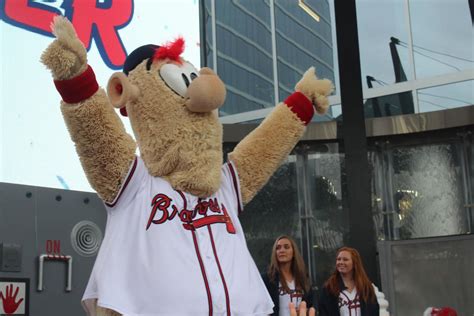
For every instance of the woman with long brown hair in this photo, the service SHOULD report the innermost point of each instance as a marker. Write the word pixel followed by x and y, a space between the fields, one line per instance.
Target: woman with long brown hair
pixel 287 278
pixel 348 291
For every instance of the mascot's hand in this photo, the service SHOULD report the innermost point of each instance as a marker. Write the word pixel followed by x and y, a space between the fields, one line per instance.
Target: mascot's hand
pixel 315 90
pixel 66 56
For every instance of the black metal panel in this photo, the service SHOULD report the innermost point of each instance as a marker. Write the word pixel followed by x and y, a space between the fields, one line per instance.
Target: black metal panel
pixel 357 202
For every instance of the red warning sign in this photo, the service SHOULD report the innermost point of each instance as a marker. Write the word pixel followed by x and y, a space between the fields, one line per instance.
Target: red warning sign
pixel 14 296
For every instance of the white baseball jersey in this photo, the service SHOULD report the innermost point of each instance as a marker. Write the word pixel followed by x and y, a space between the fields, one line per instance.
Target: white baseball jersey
pixel 349 303
pixel 166 252
pixel 294 296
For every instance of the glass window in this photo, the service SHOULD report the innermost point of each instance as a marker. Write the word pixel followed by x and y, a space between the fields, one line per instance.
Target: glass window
pixel 244 55
pixel 380 25
pixel 443 39
pixel 446 96
pixel 273 212
pixel 260 43
pixel 207 29
pixel 328 220
pixel 419 191
pixel 388 105
pixel 336 111
pixel 417 41
pixel 302 41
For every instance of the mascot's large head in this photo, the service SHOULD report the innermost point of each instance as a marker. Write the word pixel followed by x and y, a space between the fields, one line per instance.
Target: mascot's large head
pixel 172 109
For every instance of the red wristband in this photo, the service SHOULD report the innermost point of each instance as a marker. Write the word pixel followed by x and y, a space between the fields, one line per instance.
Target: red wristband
pixel 78 88
pixel 301 106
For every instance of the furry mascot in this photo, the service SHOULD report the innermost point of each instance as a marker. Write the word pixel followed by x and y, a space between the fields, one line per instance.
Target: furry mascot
pixel 173 243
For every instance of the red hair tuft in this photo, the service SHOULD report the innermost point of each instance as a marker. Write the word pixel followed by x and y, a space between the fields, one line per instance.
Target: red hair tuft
pixel 171 50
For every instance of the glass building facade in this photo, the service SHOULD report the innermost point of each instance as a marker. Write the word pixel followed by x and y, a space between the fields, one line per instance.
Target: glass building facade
pixel 262 48
pixel 416 75
pixel 415 56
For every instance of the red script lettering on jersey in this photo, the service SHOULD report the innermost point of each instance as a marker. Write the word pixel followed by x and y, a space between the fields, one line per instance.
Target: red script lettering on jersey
pixel 163 210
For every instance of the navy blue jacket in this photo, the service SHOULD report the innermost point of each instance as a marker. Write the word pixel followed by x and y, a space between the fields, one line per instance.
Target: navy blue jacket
pixel 328 304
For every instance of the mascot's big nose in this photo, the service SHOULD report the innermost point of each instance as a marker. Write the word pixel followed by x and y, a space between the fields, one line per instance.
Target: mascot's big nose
pixel 206 92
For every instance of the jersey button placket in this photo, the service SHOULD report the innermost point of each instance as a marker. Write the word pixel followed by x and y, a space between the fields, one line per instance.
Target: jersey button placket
pixel 215 282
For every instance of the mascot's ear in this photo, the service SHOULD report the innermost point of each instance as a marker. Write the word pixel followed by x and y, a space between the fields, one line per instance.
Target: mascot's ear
pixel 120 91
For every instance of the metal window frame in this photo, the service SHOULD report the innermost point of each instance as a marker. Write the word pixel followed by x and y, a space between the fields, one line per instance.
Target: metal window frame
pixel 411 85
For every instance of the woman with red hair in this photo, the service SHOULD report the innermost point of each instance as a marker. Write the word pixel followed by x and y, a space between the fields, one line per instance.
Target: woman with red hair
pixel 287 278
pixel 348 291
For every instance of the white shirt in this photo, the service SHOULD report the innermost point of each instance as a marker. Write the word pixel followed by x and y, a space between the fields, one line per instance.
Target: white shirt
pixel 286 297
pixel 166 252
pixel 349 303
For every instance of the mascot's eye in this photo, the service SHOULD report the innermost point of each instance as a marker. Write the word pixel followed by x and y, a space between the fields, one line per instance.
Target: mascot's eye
pixel 185 79
pixel 178 77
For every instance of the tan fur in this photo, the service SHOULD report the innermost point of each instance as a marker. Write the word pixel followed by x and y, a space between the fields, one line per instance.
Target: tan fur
pixel 106 151
pixel 100 311
pixel 183 147
pixel 315 89
pixel 66 57
pixel 259 154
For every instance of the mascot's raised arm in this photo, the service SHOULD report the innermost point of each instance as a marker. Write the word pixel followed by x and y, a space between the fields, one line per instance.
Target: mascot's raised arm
pixel 173 243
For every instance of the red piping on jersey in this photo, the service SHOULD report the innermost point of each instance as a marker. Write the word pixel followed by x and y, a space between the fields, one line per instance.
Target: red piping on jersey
pixel 198 254
pixel 127 181
pixel 227 300
pixel 236 187
pixel 203 272
pixel 353 304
